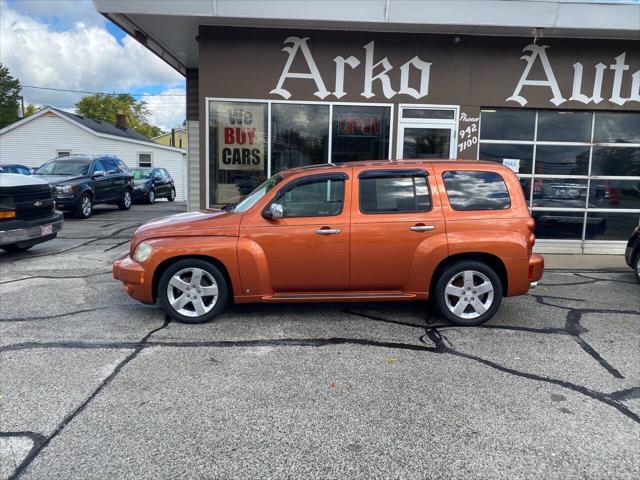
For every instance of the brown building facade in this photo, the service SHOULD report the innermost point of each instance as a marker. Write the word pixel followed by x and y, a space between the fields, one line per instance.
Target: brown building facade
pixel 564 114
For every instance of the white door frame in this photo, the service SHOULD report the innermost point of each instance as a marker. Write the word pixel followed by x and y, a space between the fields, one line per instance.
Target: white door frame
pixel 440 123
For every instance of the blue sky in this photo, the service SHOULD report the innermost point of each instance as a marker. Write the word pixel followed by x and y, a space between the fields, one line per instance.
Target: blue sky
pixel 66 44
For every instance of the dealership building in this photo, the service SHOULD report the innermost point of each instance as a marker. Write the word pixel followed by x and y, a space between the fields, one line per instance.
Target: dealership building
pixel 550 89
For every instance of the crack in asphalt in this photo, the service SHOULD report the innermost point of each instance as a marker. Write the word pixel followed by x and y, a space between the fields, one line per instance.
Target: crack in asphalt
pixel 74 312
pixel 116 245
pixel 44 441
pixel 55 277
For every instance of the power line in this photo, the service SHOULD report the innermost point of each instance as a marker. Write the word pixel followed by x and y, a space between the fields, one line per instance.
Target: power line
pixel 106 93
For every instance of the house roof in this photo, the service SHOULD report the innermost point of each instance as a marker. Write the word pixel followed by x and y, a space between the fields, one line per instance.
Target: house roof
pixel 97 127
pixel 176 130
pixel 104 127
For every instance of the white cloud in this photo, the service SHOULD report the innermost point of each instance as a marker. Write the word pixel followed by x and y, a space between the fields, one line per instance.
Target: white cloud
pixel 66 45
pixel 167 111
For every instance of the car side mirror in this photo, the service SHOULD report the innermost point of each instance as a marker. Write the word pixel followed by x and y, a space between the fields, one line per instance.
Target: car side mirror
pixel 99 173
pixel 274 212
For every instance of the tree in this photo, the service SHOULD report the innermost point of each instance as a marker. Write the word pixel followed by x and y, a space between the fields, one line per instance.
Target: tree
pixel 30 109
pixel 9 97
pixel 106 107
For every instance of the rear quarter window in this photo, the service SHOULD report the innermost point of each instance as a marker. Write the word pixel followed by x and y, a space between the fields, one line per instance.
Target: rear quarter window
pixel 476 190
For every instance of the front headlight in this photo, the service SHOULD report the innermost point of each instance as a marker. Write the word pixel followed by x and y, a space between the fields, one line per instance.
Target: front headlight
pixel 142 253
pixel 64 189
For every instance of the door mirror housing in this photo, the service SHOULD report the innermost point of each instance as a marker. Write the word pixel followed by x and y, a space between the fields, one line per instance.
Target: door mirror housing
pixel 99 173
pixel 274 212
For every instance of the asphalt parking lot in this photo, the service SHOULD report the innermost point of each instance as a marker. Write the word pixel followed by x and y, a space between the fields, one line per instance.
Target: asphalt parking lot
pixel 95 385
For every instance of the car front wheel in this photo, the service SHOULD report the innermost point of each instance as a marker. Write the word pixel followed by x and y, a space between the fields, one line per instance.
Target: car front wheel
pixel 193 291
pixel 638 266
pixel 125 201
pixel 152 196
pixel 85 206
pixel 172 195
pixel 468 293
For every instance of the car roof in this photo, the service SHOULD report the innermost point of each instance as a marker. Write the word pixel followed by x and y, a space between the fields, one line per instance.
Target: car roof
pixel 390 164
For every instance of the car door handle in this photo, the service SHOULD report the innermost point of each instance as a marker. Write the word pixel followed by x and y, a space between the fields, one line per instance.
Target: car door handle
pixel 422 228
pixel 328 231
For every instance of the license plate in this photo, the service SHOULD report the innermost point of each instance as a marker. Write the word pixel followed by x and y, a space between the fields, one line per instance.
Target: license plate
pixel 46 230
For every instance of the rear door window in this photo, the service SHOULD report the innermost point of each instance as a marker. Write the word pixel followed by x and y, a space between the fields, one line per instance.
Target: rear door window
pixel 476 190
pixel 394 192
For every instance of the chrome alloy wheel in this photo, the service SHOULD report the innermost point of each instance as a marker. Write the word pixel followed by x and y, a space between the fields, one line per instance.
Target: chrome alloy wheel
pixel 152 196
pixel 127 199
pixel 469 294
pixel 86 206
pixel 192 292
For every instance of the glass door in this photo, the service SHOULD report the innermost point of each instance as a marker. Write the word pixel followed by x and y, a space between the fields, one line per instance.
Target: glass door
pixel 424 141
pixel 427 131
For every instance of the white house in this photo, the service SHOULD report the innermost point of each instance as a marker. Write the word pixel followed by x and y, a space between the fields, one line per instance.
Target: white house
pixel 52 132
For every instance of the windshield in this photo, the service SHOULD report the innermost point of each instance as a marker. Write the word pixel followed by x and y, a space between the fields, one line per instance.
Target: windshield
pixel 257 194
pixel 65 167
pixel 141 174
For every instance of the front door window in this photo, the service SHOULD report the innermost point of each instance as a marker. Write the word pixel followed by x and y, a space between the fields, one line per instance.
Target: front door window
pixel 420 142
pixel 427 131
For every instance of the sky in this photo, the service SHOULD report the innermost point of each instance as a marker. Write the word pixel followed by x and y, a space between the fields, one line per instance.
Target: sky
pixel 67 44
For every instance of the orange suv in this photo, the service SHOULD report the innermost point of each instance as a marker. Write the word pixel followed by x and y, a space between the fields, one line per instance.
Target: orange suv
pixel 458 233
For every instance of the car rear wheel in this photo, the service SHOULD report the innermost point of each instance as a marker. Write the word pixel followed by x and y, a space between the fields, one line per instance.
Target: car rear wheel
pixel 172 195
pixel 85 206
pixel 193 291
pixel 151 198
pixel 125 201
pixel 637 269
pixel 468 293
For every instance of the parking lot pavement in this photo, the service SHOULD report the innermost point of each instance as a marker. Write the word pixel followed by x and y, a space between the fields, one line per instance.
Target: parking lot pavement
pixel 95 385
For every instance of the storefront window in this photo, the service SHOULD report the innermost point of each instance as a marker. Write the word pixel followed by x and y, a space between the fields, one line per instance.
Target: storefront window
pixel 617 128
pixel 237 149
pixel 508 124
pixel 562 160
pixel 360 133
pixel 520 156
pixel 299 135
pixel 564 126
pixel 586 168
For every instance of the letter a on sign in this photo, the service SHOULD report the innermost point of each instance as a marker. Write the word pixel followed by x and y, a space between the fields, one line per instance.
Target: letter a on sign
pixel 314 74
pixel 537 51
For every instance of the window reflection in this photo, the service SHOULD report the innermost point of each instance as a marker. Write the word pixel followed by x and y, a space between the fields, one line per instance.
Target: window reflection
pixel 611 225
pixel 426 143
pixel 615 194
pixel 360 133
pixel 616 161
pixel 559 193
pixel 620 127
pixel 559 225
pixel 394 194
pixel 564 126
pixel 299 135
pixel 499 152
pixel 313 199
pixel 507 124
pixel 473 190
pixel 562 160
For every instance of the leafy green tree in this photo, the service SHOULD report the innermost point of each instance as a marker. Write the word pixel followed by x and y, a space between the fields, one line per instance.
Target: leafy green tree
pixel 30 109
pixel 106 107
pixel 9 97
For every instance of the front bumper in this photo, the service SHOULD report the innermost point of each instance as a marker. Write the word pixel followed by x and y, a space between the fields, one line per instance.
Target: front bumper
pixel 133 276
pixel 66 202
pixel 30 232
pixel 536 267
pixel 140 194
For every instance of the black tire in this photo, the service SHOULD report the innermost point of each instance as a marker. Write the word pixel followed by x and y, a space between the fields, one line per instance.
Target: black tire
pixel 172 195
pixel 151 198
pixel 220 302
pixel 637 266
pixel 126 200
pixel 84 210
pixel 440 298
pixel 15 248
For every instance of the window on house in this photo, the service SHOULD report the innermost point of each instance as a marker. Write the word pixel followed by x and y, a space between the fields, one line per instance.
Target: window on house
pixel 144 160
pixel 63 153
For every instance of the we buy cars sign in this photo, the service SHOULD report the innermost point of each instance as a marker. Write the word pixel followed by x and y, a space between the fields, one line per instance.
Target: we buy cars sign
pixel 241 138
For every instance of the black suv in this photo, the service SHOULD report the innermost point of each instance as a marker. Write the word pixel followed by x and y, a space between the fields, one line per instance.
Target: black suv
pixel 632 253
pixel 80 181
pixel 152 183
